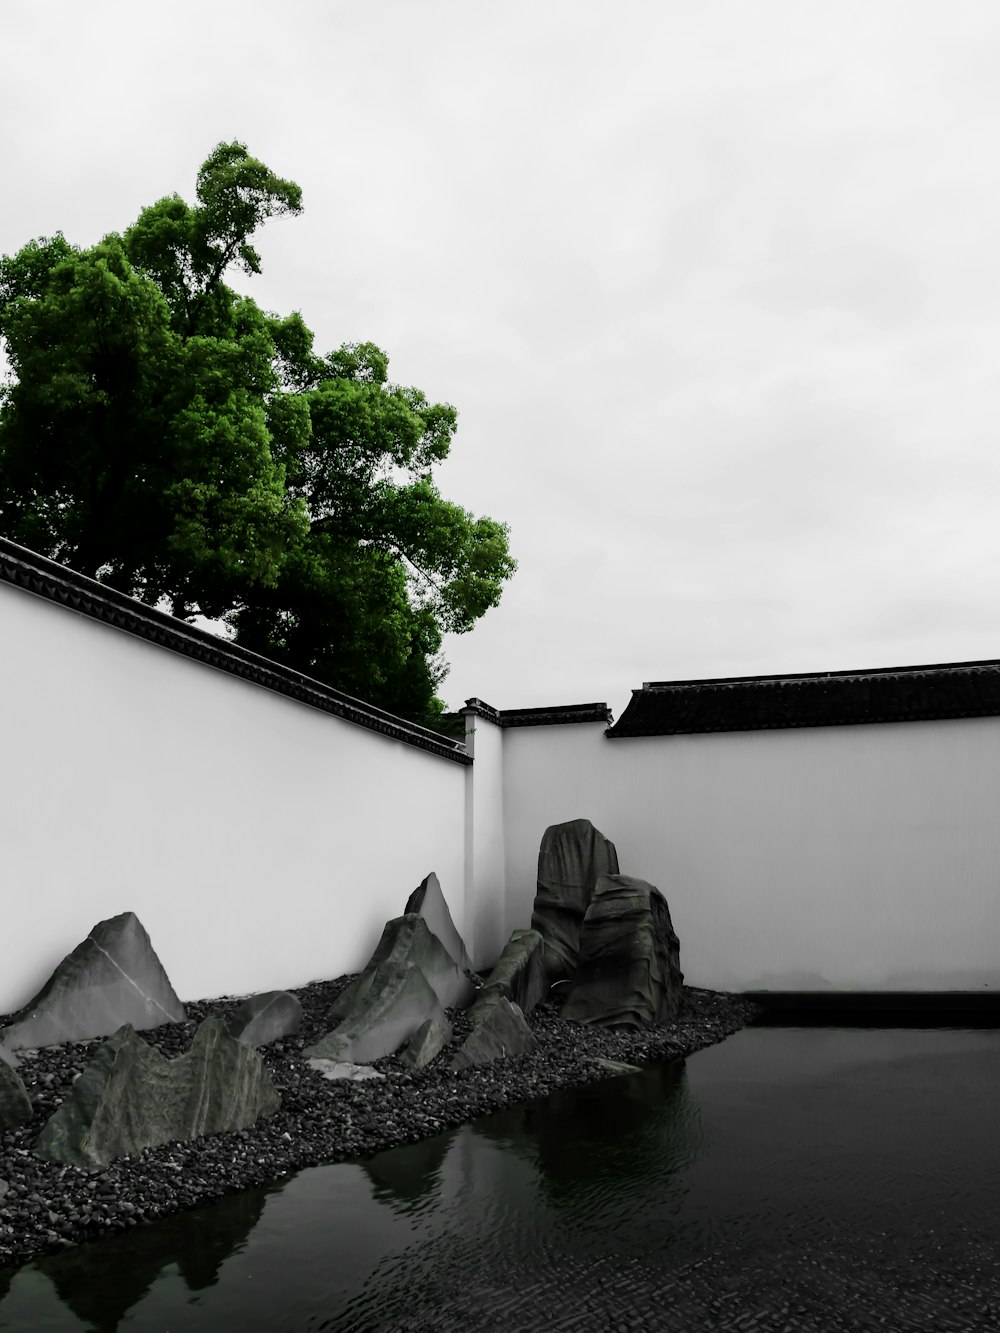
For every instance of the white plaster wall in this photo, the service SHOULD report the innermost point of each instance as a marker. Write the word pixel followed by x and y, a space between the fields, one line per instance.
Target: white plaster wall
pixel 485 875
pixel 821 858
pixel 262 843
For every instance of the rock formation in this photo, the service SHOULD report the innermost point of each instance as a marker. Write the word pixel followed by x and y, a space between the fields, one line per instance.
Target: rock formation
pixel 428 1040
pixel 519 973
pixel 130 1097
pixel 8 1057
pixel 501 1032
pixel 571 859
pixel 266 1017
pixel 629 970
pixel 113 977
pixel 395 1002
pixel 15 1104
pixel 428 901
pixel 408 939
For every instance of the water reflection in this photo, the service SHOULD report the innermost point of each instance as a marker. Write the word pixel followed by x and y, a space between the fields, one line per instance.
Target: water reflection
pixel 824 1164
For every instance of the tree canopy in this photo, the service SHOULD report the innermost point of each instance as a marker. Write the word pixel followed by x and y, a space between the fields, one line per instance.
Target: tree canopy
pixel 163 434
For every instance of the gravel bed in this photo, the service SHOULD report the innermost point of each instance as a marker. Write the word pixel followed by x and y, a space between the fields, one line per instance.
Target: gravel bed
pixel 45 1207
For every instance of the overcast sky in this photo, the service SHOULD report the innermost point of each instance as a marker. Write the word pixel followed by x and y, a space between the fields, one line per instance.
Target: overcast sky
pixel 714 286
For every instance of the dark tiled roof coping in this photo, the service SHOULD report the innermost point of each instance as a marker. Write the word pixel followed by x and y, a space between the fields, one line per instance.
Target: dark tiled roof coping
pixel 55 582
pixel 933 692
pixel 555 715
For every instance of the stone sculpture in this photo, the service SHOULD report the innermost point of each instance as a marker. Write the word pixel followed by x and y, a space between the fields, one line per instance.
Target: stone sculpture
pixel 131 1097
pixel 429 1040
pixel 428 901
pixel 395 1002
pixel 500 1032
pixel 267 1017
pixel 629 970
pixel 571 859
pixel 113 977
pixel 519 973
pixel 15 1104
pixel 408 939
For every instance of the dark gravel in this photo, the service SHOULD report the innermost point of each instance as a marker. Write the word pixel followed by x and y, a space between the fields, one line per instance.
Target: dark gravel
pixel 45 1207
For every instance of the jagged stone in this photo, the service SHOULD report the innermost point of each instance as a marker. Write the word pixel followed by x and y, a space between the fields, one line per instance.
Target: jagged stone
pixel 343 1069
pixel 266 1017
pixel 15 1104
pixel 502 1032
pixel 519 973
pixel 113 977
pixel 571 859
pixel 629 970
pixel 393 1006
pixel 428 1040
pixel 8 1057
pixel 131 1097
pixel 407 939
pixel 616 1066
pixel 428 901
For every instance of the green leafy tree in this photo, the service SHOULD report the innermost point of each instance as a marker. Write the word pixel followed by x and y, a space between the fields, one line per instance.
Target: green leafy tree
pixel 164 435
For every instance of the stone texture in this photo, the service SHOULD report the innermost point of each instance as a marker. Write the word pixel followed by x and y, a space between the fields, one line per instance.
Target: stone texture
pixel 112 978
pixel 15 1104
pixel 397 1000
pixel 429 1040
pixel 130 1097
pixel 519 973
pixel 343 1069
pixel 406 940
pixel 428 901
pixel 629 971
pixel 571 859
pixel 501 1032
pixel 8 1057
pixel 266 1017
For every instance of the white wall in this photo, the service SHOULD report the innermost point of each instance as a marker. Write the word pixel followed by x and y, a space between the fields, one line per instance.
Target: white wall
pixel 819 858
pixel 485 874
pixel 262 843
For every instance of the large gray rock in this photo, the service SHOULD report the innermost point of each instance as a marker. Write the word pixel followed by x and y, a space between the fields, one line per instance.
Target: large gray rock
pixel 629 971
pixel 571 859
pixel 131 1097
pixel 266 1017
pixel 112 978
pixel 501 1032
pixel 397 1001
pixel 428 901
pixel 15 1104
pixel 407 940
pixel 429 1040
pixel 519 973
pixel 8 1057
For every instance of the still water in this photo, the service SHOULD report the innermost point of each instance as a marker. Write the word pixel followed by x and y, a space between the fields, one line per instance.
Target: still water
pixel 790 1178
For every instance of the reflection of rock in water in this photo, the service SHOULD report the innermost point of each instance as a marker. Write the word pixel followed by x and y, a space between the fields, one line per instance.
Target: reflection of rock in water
pixel 637 1125
pixel 408 1173
pixel 101 1281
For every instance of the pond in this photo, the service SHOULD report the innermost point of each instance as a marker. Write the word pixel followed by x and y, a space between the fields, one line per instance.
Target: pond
pixel 790 1178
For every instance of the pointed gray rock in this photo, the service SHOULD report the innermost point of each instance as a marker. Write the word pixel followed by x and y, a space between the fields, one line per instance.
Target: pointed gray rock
pixel 428 901
pixel 501 1033
pixel 113 977
pixel 571 859
pixel 629 971
pixel 8 1057
pixel 429 1040
pixel 15 1104
pixel 394 1005
pixel 408 940
pixel 130 1097
pixel 519 973
pixel 266 1017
